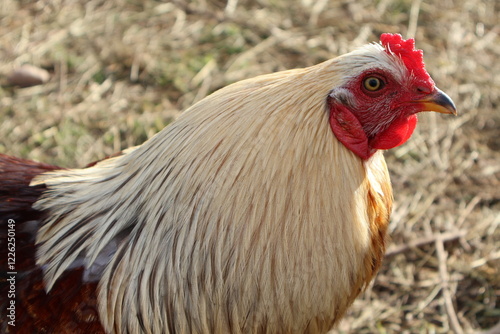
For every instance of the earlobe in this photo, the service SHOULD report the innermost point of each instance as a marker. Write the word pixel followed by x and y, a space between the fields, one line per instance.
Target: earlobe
pixel 348 130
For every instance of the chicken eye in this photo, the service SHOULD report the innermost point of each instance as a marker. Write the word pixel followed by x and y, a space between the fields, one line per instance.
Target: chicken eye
pixel 373 84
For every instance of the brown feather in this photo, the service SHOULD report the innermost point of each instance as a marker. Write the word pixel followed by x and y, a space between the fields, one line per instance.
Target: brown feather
pixel 71 307
pixel 246 215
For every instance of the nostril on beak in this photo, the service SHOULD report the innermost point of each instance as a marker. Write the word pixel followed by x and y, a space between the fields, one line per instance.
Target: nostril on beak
pixel 424 90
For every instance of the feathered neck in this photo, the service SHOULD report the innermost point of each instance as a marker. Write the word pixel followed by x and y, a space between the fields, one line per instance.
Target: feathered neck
pixel 232 210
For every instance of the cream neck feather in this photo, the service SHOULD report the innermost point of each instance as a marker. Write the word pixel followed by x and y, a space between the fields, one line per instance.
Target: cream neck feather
pixel 244 215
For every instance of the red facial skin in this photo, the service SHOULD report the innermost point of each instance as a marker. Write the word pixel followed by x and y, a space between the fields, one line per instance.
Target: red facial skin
pixel 381 119
pixel 365 120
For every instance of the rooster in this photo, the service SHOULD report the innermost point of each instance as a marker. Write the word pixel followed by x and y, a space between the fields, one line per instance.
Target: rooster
pixel 262 209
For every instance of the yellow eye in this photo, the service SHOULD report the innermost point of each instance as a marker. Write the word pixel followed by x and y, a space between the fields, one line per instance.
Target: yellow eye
pixel 373 83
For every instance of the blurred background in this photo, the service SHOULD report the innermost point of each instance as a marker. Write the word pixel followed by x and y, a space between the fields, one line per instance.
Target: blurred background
pixel 111 73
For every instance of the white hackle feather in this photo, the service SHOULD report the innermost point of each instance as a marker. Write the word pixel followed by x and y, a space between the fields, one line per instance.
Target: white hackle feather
pixel 244 215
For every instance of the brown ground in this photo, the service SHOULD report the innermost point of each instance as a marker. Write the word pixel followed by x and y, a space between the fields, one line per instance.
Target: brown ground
pixel 123 69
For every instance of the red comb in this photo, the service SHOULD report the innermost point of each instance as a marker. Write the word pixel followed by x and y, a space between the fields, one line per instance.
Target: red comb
pixel 413 59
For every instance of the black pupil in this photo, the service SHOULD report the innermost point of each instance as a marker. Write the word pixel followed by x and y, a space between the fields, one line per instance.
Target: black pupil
pixel 373 83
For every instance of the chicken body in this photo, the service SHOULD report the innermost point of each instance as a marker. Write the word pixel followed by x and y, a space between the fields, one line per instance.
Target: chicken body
pixel 252 213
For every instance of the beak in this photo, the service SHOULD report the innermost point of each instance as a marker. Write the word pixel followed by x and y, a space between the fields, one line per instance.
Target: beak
pixel 439 102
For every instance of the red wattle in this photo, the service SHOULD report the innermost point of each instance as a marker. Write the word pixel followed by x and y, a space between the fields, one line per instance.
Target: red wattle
pixel 396 134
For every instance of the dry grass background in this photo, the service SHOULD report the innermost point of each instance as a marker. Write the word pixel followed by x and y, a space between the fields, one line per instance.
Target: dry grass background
pixel 123 69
